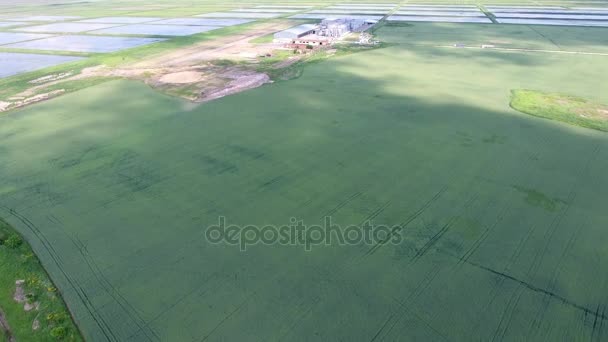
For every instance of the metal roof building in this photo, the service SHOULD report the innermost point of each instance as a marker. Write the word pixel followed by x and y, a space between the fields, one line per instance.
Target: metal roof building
pixel 296 32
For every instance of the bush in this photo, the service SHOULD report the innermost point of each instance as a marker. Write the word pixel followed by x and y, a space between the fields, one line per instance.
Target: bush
pixel 56 317
pixel 33 281
pixel 13 241
pixel 59 332
pixel 30 298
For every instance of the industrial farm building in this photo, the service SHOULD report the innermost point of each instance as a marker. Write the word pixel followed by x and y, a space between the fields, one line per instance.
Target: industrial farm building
pixel 296 32
pixel 309 36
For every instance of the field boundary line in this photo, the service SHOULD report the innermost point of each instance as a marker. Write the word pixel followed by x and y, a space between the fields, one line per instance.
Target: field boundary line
pixel 525 50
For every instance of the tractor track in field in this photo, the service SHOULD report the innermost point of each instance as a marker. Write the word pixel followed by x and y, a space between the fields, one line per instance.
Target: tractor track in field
pixel 118 298
pixel 433 240
pixel 601 316
pixel 409 220
pixel 103 325
pixel 393 318
pixel 538 259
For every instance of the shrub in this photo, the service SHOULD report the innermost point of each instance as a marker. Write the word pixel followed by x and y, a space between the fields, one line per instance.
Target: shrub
pixel 56 317
pixel 33 281
pixel 30 297
pixel 13 241
pixel 59 332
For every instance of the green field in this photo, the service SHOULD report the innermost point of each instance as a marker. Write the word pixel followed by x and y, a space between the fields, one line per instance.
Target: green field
pixel 503 214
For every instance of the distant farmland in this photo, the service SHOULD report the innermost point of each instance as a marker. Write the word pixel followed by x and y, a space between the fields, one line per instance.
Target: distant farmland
pixel 502 214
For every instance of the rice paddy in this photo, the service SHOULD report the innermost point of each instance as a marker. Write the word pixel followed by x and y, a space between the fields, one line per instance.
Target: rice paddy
pixel 12 37
pixel 16 63
pixel 75 43
pixel 65 28
pixel 160 30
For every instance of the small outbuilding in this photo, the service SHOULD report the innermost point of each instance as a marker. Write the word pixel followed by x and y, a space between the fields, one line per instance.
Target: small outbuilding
pixel 296 32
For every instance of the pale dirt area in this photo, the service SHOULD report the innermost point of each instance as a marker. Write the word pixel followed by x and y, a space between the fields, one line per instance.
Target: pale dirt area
pixel 182 77
pixel 4 105
pixel 49 78
pixel 19 295
pixel 239 83
pixel 229 47
pixel 187 66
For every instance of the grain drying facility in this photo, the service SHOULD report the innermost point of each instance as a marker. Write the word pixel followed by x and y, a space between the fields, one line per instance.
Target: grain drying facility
pixel 296 32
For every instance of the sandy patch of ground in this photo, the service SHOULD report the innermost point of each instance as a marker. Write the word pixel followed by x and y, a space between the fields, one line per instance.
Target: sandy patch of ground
pixel 182 77
pixel 19 295
pixel 229 47
pixel 240 81
pixel 50 78
pixel 4 105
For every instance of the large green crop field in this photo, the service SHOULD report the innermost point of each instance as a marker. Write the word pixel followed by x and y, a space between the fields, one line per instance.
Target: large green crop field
pixel 503 215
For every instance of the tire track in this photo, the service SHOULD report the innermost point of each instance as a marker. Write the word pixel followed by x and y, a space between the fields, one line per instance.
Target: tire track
pixel 433 240
pixel 516 297
pixel 175 304
pixel 550 234
pixel 377 212
pixel 484 236
pixel 227 317
pixel 393 317
pixel 342 204
pixel 534 288
pixel 399 228
pixel 88 306
pixel 118 298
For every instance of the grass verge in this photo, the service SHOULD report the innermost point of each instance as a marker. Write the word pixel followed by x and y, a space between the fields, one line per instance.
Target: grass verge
pixel 18 262
pixel 570 109
pixel 267 39
pixel 294 70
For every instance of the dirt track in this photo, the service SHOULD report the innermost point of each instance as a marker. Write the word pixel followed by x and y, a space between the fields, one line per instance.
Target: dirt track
pixel 234 46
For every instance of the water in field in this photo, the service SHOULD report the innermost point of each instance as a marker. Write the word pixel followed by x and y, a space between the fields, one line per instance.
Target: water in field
pixel 501 214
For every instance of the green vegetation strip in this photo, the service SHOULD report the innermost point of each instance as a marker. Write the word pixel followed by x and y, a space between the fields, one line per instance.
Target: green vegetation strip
pixel 51 321
pixel 570 109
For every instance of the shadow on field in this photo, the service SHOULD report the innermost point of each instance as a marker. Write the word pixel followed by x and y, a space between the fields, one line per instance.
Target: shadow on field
pixel 115 185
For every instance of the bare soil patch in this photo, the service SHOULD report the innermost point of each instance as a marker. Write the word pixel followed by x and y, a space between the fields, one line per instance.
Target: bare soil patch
pixel 50 78
pixel 240 81
pixel 4 105
pixel 182 77
pixel 229 47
